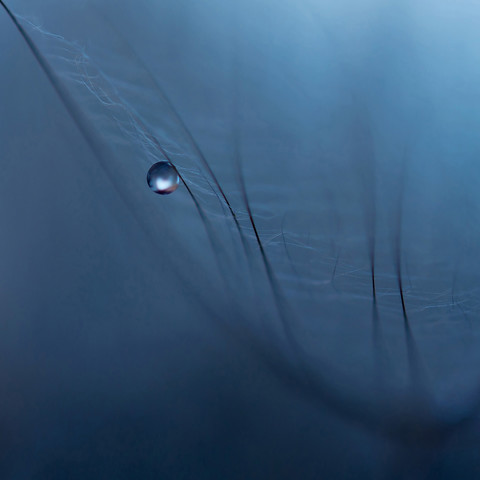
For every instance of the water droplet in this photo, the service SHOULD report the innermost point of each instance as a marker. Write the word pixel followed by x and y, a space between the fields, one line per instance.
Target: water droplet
pixel 162 178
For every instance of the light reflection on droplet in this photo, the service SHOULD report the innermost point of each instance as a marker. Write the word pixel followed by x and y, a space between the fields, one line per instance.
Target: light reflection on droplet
pixel 162 178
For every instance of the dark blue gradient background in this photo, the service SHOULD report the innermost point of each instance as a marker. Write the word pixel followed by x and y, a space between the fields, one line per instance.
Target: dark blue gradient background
pixel 148 337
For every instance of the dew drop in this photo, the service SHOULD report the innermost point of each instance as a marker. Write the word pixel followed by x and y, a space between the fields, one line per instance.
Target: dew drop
pixel 162 178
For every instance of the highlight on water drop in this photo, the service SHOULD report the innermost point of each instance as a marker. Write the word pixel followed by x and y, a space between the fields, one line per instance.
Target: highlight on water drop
pixel 163 178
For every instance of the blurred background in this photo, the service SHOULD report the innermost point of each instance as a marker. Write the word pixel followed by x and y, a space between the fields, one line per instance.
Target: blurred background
pixel 305 305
